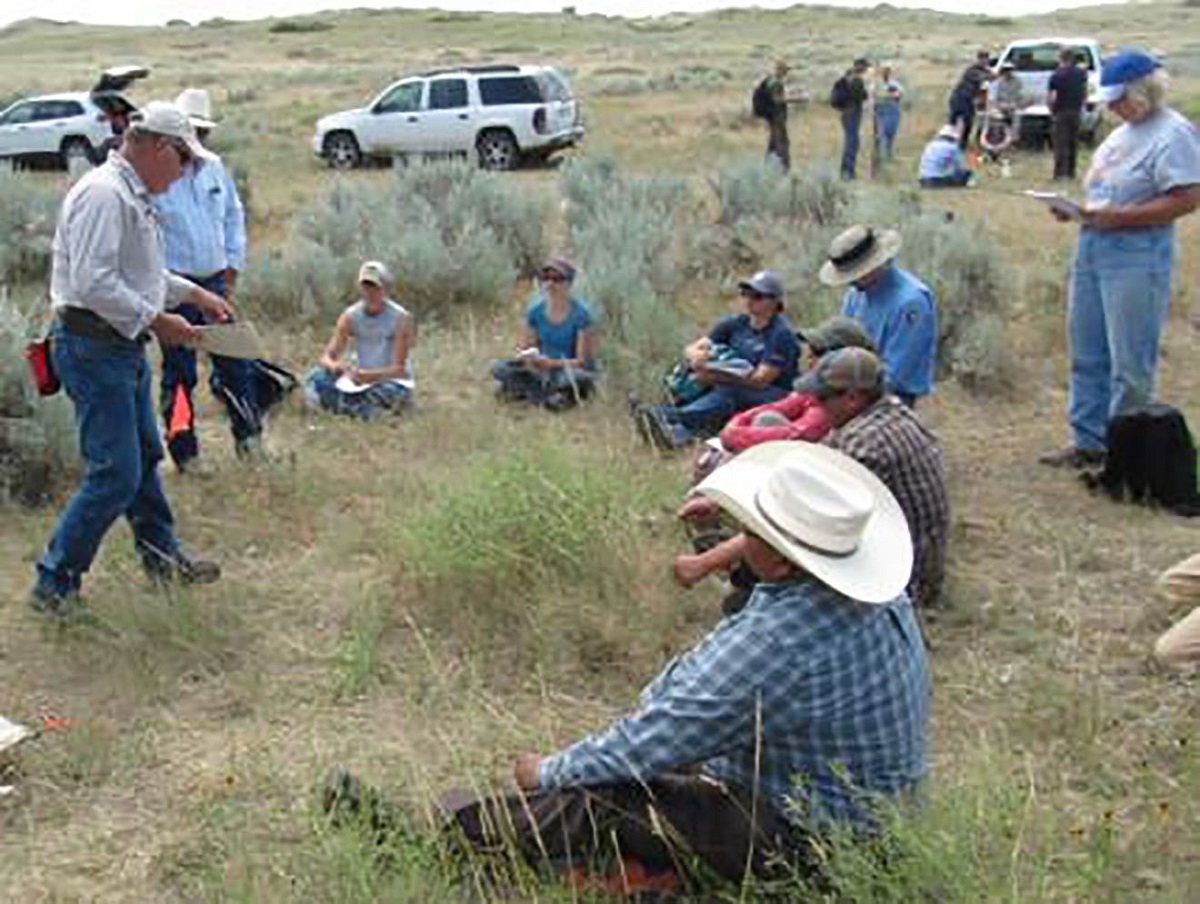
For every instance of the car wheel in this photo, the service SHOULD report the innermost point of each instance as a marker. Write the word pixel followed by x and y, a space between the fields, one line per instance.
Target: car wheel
pixel 75 150
pixel 341 150
pixel 498 150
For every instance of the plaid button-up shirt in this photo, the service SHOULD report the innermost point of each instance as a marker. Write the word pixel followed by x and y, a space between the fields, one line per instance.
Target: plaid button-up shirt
pixel 889 439
pixel 819 702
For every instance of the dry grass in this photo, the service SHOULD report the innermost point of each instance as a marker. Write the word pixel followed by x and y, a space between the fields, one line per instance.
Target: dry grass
pixel 1066 767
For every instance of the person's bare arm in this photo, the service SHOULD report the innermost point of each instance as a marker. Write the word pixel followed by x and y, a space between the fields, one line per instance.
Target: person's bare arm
pixel 331 357
pixel 1160 211
pixel 692 569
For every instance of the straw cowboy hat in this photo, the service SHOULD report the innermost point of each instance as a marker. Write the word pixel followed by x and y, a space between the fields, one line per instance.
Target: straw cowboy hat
pixel 858 251
pixel 823 511
pixel 196 103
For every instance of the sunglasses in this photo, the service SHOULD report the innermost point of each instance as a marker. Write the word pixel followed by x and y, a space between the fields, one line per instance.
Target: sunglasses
pixel 551 276
pixel 755 295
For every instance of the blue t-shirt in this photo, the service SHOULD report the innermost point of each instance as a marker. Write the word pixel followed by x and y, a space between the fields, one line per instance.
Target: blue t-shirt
pixel 899 315
pixel 1140 161
pixel 558 341
pixel 775 344
pixel 941 159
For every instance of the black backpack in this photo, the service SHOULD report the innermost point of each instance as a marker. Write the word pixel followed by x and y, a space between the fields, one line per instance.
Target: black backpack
pixel 1151 459
pixel 761 101
pixel 839 97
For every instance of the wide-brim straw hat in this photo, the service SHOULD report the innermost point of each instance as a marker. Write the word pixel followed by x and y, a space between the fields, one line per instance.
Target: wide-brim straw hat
pixel 822 510
pixel 197 105
pixel 858 251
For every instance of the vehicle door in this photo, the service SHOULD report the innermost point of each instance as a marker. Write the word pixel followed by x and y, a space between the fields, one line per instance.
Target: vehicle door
pixel 56 119
pixel 15 125
pixel 448 124
pixel 394 124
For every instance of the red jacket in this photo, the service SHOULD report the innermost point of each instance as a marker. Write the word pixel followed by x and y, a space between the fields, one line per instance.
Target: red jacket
pixel 809 421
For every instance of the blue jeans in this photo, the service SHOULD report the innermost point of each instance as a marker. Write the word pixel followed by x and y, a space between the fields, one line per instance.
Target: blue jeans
pixel 851 121
pixel 320 387
pixel 231 381
pixel 708 414
pixel 1117 304
pixel 887 124
pixel 109 383
pixel 519 383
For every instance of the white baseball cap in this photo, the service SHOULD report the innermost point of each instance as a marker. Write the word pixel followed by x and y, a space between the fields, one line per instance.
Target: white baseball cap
pixel 159 117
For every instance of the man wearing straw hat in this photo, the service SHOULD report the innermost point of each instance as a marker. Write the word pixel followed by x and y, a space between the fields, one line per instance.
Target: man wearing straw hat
pixel 204 236
pixel 1179 647
pixel 897 309
pixel 805 712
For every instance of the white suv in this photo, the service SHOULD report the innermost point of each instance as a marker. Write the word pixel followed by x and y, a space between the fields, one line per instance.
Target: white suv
pixel 502 114
pixel 1035 61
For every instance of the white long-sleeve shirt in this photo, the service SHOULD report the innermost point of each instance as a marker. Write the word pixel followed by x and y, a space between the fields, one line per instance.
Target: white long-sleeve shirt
pixel 108 251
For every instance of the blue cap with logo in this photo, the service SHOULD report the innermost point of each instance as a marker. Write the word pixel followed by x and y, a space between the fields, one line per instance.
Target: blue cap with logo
pixel 1121 69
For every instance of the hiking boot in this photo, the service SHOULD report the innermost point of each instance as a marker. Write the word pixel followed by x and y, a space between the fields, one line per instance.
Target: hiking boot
pixel 65 608
pixel 1073 457
pixel 655 428
pixel 179 568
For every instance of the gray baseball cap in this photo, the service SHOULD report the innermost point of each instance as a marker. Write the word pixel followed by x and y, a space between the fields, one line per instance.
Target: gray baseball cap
pixel 833 333
pixel 764 282
pixel 842 371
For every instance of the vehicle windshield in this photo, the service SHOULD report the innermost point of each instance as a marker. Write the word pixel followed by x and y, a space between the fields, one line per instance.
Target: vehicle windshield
pixel 1044 57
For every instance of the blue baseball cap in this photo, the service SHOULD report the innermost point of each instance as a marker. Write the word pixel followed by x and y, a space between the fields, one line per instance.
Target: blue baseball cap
pixel 764 282
pixel 1120 70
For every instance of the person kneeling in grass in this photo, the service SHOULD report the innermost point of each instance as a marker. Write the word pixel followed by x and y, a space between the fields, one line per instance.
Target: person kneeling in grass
pixel 942 163
pixel 556 364
pixel 383 334
pixel 805 715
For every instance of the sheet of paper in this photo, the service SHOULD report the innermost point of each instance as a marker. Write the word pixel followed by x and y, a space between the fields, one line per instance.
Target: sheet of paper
pixel 12 734
pixel 347 385
pixel 233 340
pixel 1058 203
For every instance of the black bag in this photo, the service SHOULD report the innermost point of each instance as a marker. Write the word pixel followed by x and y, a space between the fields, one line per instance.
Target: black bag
pixel 271 384
pixel 1151 459
pixel 761 101
pixel 839 97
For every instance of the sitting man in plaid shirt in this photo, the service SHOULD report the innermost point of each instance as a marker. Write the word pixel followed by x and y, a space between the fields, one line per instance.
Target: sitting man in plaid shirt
pixel 803 712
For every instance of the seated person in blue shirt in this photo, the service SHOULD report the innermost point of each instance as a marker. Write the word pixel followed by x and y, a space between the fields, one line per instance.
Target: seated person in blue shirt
pixel 805 712
pixel 383 334
pixel 556 364
pixel 897 309
pixel 942 163
pixel 761 338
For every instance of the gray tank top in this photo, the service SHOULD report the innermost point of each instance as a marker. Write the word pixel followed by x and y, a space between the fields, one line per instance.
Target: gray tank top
pixel 375 334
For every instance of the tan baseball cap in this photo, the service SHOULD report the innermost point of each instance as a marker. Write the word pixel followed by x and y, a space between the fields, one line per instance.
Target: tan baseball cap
pixel 842 371
pixel 160 117
pixel 374 272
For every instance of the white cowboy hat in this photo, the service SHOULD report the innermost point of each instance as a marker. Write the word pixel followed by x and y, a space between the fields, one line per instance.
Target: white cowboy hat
pixel 196 103
pixel 858 251
pixel 824 511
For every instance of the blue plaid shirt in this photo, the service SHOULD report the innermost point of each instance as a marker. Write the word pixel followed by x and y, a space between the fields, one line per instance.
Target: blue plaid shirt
pixel 829 695
pixel 204 225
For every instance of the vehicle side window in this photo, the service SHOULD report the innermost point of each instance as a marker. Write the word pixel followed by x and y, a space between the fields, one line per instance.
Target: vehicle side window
pixel 57 109
pixel 19 115
pixel 517 89
pixel 447 94
pixel 405 98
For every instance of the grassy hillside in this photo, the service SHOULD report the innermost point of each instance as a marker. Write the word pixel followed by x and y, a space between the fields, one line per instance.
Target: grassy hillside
pixel 423 599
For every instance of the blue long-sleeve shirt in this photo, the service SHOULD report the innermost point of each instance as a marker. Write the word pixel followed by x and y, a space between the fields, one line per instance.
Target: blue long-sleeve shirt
pixel 828 696
pixel 204 225
pixel 941 159
pixel 899 314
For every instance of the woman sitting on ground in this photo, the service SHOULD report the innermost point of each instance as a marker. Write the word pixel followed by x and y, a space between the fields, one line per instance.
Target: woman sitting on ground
pixel 942 164
pixel 764 365
pixel 383 333
pixel 556 364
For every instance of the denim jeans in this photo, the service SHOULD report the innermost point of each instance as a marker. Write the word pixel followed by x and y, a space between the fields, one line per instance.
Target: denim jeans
pixel 1117 304
pixel 851 121
pixel 708 414
pixel 109 383
pixel 887 124
pixel 320 388
pixel 231 381
pixel 519 383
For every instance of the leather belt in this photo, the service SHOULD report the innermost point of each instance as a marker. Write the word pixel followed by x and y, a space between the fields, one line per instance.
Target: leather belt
pixel 82 322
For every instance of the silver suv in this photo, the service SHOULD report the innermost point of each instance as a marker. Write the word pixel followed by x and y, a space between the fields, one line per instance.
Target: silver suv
pixel 1035 61
pixel 501 114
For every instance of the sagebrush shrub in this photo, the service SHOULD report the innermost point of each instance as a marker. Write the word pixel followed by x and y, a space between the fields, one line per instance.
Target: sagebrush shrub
pixel 453 234
pixel 28 215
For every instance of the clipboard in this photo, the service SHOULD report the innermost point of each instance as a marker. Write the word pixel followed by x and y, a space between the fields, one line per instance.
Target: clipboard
pixel 233 340
pixel 1060 204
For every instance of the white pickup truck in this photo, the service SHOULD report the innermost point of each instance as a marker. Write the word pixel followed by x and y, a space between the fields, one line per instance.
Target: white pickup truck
pixel 1035 61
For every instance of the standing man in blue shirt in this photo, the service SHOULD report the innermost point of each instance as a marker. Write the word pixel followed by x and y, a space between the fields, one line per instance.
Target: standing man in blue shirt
pixel 801 714
pixel 204 230
pixel 896 308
